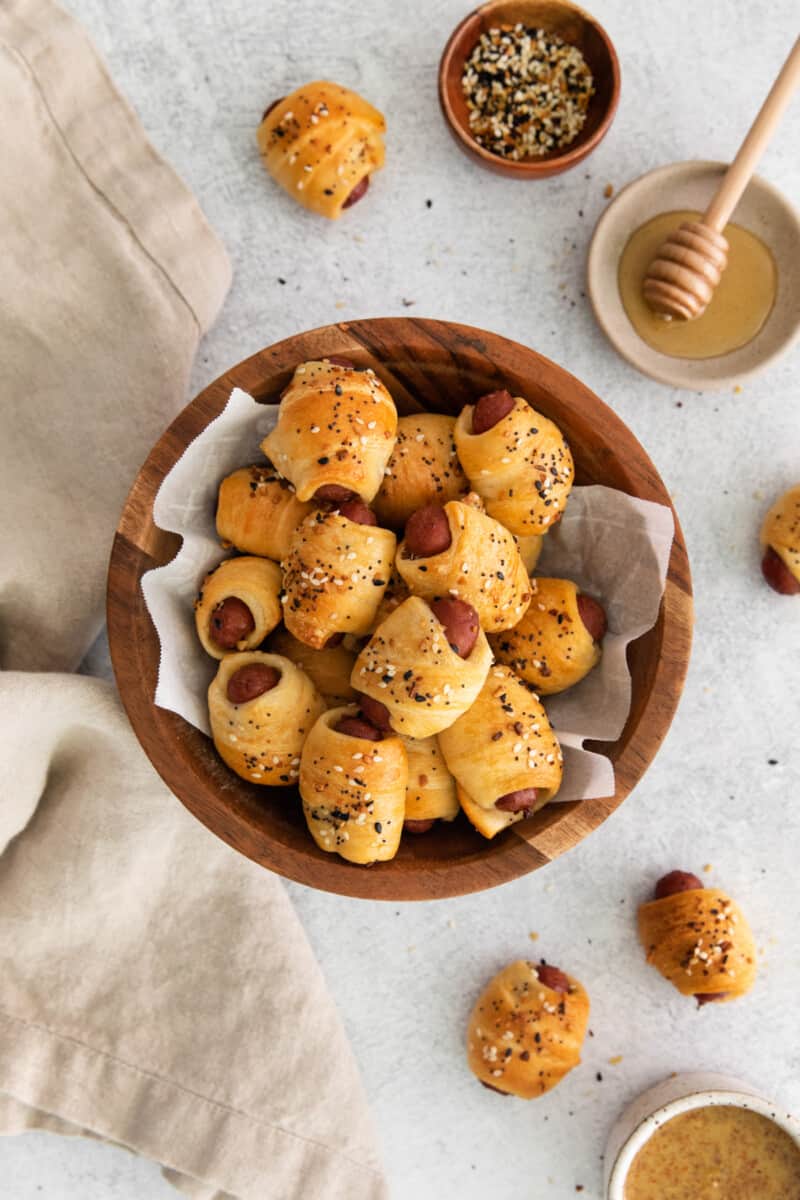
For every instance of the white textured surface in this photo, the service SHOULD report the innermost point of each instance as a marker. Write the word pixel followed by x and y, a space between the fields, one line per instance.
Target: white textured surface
pixel 509 257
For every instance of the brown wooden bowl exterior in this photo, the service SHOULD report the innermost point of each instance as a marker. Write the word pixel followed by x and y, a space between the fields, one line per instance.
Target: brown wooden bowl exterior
pixel 426 364
pixel 574 26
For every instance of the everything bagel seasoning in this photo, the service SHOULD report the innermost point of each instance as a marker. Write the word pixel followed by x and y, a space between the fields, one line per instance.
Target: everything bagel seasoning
pixel 527 92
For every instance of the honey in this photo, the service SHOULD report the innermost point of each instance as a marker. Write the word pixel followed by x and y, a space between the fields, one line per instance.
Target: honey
pixel 719 1152
pixel 736 312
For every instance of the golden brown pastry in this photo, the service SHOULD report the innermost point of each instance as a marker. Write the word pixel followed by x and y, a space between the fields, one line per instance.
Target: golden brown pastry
pixel 558 641
pixel 698 939
pixel 335 432
pixel 396 592
pixel 780 536
pixel 335 574
pixel 423 469
pixel 527 1028
pixel 431 789
pixel 258 511
pixel 459 551
pixel 529 550
pixel 411 670
pixel 503 754
pixel 517 460
pixel 238 605
pixel 353 785
pixel 328 668
pixel 321 144
pixel 262 708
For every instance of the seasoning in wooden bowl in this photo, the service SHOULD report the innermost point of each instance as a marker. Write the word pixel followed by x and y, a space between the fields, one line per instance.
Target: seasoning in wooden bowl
pixel 719 1150
pixel 527 91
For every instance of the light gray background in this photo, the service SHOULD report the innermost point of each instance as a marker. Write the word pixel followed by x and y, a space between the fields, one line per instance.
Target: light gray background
pixel 510 257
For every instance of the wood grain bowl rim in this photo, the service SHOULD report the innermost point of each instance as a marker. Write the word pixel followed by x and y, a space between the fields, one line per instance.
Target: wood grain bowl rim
pixel 223 805
pixel 554 162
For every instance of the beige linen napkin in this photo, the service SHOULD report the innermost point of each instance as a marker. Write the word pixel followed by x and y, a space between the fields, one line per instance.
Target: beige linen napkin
pixel 156 989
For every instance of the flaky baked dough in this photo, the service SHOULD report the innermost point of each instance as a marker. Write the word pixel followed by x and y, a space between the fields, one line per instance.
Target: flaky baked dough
pixel 522 467
pixel 334 576
pixel 529 550
pixel 431 789
pixel 551 647
pixel 396 592
pixel 254 581
pixel 502 744
pixel 409 666
pixel 423 469
pixel 700 941
pixel 781 529
pixel 482 566
pixel 258 511
pixel 328 669
pixel 336 425
pixel 524 1037
pixel 261 739
pixel 319 142
pixel 353 791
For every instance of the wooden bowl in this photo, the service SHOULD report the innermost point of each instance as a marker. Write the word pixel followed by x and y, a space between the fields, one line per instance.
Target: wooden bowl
pixel 555 16
pixel 430 365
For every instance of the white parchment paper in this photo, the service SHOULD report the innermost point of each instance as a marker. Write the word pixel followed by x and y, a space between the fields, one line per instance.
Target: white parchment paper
pixel 613 546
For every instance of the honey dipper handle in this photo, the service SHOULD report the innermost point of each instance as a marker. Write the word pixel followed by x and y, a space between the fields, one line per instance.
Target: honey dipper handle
pixel 739 172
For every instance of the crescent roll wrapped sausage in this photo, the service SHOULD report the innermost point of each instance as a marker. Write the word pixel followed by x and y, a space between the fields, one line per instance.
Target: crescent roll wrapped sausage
pixel 238 605
pixel 517 460
pixel 261 708
pixel 353 788
pixel 780 537
pixel 459 551
pixel 529 550
pixel 335 432
pixel 503 754
pixel 335 575
pixel 321 144
pixel 527 1028
pixel 410 668
pixel 431 789
pixel 328 669
pixel 258 511
pixel 698 939
pixel 558 640
pixel 423 469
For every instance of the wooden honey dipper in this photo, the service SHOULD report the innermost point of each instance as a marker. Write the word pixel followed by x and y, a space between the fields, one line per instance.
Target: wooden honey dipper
pixel 680 280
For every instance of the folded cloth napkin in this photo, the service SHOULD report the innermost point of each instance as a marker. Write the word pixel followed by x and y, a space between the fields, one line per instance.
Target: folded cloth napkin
pixel 156 989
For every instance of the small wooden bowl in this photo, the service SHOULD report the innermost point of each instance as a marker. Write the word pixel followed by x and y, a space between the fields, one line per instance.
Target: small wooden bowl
pixel 555 16
pixel 438 366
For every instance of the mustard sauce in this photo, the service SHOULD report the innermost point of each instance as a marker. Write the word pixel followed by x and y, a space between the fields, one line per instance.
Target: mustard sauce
pixel 719 1152
pixel 736 312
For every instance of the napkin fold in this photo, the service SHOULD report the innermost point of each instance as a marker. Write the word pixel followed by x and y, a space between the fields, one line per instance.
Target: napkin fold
pixel 156 989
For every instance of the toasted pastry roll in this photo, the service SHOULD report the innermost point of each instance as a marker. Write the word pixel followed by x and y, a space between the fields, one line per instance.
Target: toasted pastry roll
pixel 780 537
pixel 698 939
pixel 238 605
pixel 503 753
pixel 431 789
pixel 551 647
pixel 328 669
pixel 481 565
pixel 353 790
pixel 262 708
pixel 396 592
pixel 527 1028
pixel 335 432
pixel 521 466
pixel 321 144
pixel 529 550
pixel 409 666
pixel 423 468
pixel 258 511
pixel 334 577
